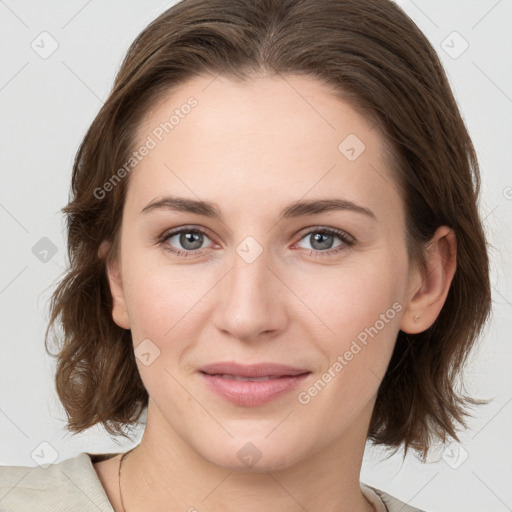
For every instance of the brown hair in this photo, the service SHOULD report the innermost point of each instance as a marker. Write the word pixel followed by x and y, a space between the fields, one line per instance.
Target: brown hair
pixel 373 55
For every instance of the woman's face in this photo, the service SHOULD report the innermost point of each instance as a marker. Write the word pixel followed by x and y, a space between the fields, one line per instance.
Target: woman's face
pixel 253 285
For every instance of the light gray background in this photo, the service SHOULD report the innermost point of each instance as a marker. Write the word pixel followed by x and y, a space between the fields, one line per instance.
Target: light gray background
pixel 47 104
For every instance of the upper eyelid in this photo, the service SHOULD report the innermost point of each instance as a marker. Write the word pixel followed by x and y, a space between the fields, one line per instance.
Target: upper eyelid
pixel 319 228
pixel 172 232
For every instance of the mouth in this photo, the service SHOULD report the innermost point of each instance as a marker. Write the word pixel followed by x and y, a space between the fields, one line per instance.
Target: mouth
pixel 253 371
pixel 251 379
pixel 252 385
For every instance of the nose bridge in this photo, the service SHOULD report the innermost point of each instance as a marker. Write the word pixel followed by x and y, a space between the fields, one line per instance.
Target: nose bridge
pixel 249 302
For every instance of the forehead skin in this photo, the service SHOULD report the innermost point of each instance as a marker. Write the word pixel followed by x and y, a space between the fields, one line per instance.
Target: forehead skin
pixel 257 146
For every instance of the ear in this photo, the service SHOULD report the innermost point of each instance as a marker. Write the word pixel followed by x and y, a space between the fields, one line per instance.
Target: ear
pixel 428 292
pixel 119 310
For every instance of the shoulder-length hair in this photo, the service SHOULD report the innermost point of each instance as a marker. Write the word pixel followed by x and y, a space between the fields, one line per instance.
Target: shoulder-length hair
pixel 373 56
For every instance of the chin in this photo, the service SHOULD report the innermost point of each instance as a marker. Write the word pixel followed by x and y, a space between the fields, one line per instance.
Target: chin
pixel 240 454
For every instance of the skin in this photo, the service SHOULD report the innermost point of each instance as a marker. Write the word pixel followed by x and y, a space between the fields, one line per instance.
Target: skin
pixel 252 148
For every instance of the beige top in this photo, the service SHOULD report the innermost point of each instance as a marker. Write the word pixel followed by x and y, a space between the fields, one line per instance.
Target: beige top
pixel 73 485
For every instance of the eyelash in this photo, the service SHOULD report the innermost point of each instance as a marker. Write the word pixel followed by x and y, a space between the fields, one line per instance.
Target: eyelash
pixel 347 240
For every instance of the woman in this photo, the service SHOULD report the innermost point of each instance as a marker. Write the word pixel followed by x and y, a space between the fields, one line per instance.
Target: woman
pixel 275 247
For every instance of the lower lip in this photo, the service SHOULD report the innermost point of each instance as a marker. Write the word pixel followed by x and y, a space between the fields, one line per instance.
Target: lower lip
pixel 252 393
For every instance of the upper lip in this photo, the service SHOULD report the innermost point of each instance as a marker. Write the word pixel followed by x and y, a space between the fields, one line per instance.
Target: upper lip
pixel 252 370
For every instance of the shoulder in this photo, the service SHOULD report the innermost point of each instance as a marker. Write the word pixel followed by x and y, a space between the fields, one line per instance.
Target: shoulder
pixel 67 485
pixel 393 504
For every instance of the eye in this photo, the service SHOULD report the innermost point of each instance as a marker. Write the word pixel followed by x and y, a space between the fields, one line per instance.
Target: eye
pixel 188 241
pixel 321 241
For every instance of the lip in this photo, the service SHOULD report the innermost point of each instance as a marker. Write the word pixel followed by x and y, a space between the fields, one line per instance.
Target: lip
pixel 280 379
pixel 253 370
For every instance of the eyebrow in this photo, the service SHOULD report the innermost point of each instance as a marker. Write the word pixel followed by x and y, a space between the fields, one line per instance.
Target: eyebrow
pixel 297 209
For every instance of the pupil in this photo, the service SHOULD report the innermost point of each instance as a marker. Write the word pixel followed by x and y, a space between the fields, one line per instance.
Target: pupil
pixel 191 238
pixel 317 237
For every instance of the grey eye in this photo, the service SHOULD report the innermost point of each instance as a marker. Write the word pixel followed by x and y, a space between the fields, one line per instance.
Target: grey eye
pixel 321 240
pixel 189 240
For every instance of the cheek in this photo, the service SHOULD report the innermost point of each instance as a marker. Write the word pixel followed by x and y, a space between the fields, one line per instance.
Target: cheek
pixel 161 298
pixel 164 306
pixel 360 312
pixel 353 298
pixel 363 310
pixel 169 304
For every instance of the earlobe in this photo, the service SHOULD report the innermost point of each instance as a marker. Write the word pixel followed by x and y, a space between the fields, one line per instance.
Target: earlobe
pixel 427 296
pixel 113 271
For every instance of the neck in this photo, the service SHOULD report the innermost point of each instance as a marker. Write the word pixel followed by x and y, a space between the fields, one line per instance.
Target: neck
pixel 158 474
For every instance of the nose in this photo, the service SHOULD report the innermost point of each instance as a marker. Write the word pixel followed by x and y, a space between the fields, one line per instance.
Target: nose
pixel 251 301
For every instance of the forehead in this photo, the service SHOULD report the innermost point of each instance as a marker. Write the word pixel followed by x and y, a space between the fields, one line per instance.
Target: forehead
pixel 267 141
